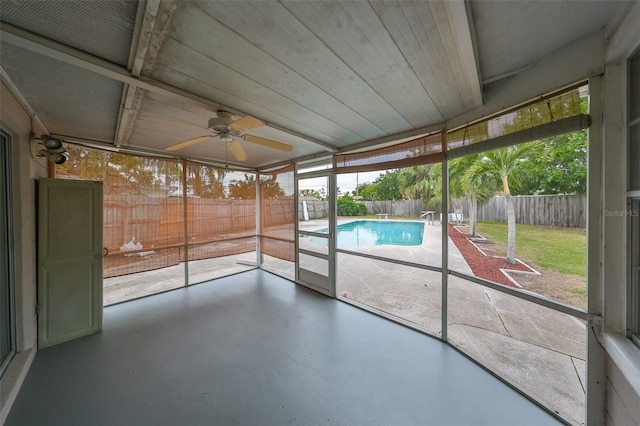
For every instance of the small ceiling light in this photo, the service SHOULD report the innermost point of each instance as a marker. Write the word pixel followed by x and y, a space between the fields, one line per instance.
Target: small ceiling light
pixel 225 137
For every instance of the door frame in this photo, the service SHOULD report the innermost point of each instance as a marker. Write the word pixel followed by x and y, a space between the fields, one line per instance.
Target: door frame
pixel 310 279
pixel 51 263
pixel 5 158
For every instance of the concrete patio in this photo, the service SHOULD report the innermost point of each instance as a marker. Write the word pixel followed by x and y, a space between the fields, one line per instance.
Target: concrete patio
pixel 538 350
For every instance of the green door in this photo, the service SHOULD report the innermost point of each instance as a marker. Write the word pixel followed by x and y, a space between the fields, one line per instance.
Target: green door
pixel 69 260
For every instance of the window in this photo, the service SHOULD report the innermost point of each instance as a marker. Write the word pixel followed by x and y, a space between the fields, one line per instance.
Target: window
pixel 633 202
pixel 634 270
pixel 7 331
pixel 517 247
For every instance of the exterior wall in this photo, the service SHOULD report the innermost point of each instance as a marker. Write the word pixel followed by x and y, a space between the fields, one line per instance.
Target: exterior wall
pixel 623 403
pixel 16 122
pixel 622 360
pixel 316 209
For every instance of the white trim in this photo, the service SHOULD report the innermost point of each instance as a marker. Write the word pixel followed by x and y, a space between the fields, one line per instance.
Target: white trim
pixel 626 38
pixel 463 26
pixel 626 356
pixel 570 64
pixel 595 357
pixel 12 379
pixel 444 185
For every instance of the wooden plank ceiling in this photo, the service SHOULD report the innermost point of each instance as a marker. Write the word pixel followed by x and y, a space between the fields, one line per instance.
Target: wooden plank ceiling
pixel 337 73
pixel 323 76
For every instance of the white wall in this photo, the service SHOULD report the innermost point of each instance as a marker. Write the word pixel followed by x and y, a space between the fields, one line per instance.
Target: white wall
pixel 17 123
pixel 623 358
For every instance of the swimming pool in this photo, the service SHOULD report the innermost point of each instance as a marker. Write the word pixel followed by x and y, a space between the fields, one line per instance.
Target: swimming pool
pixel 369 233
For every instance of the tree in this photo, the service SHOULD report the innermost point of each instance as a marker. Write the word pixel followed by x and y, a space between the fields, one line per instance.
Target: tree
pixel 346 206
pixel 473 187
pixel 385 187
pixel 319 194
pixel 558 165
pixel 206 181
pixel 367 191
pixel 121 173
pixel 503 164
pixel 417 182
pixel 243 189
pixel 270 188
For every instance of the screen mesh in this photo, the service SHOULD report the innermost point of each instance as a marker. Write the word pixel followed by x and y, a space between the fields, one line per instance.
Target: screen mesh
pixel 423 150
pixel 544 111
pixel 145 206
pixel 277 214
pixel 143 224
pixel 221 211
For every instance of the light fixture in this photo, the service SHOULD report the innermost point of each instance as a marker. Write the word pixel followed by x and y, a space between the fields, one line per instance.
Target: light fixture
pixel 226 136
pixel 49 147
pixel 51 143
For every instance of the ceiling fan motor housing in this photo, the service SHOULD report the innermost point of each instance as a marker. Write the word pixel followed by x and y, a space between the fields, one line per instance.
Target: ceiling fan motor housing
pixel 221 123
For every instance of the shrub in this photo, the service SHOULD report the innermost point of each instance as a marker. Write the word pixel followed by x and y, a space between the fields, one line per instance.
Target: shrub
pixel 348 207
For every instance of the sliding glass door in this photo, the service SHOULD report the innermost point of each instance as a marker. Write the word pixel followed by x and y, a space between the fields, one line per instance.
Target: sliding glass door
pixel 6 279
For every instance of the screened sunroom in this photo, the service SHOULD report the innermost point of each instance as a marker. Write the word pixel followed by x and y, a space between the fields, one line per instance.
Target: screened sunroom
pixel 352 212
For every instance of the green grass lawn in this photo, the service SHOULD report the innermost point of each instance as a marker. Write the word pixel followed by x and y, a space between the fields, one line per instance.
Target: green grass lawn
pixel 561 250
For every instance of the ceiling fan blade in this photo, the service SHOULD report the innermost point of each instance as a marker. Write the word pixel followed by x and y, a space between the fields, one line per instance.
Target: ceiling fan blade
pixel 237 150
pixel 185 144
pixel 268 142
pixel 246 123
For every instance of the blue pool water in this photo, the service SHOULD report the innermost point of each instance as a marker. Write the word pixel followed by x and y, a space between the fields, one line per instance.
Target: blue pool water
pixel 369 233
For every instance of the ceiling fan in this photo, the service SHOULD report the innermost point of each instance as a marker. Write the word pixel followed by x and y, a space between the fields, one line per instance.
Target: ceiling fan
pixel 230 131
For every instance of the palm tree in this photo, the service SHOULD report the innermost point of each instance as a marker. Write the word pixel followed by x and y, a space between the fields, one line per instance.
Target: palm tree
pixel 474 187
pixel 461 185
pixel 417 182
pixel 503 164
pixel 434 200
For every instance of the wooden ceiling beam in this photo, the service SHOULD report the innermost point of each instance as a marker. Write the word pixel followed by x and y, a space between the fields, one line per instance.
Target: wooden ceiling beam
pixel 52 49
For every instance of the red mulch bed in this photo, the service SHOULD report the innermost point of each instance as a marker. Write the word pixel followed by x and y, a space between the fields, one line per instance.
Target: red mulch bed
pixel 483 266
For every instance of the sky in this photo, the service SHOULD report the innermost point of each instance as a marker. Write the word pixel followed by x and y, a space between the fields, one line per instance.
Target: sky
pixel 346 182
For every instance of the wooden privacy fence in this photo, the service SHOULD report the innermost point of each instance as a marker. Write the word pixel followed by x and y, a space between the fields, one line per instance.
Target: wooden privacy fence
pixel 409 208
pixel 317 209
pixel 158 222
pixel 154 230
pixel 567 211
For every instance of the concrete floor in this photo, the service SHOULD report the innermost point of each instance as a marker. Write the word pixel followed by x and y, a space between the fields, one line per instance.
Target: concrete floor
pixel 254 348
pixel 133 286
pixel 537 349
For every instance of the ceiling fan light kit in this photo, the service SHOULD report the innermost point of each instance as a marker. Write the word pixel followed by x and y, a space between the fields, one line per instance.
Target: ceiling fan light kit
pixel 225 127
pixel 221 122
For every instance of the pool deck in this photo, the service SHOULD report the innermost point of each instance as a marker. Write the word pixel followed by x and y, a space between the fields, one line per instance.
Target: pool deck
pixel 537 349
